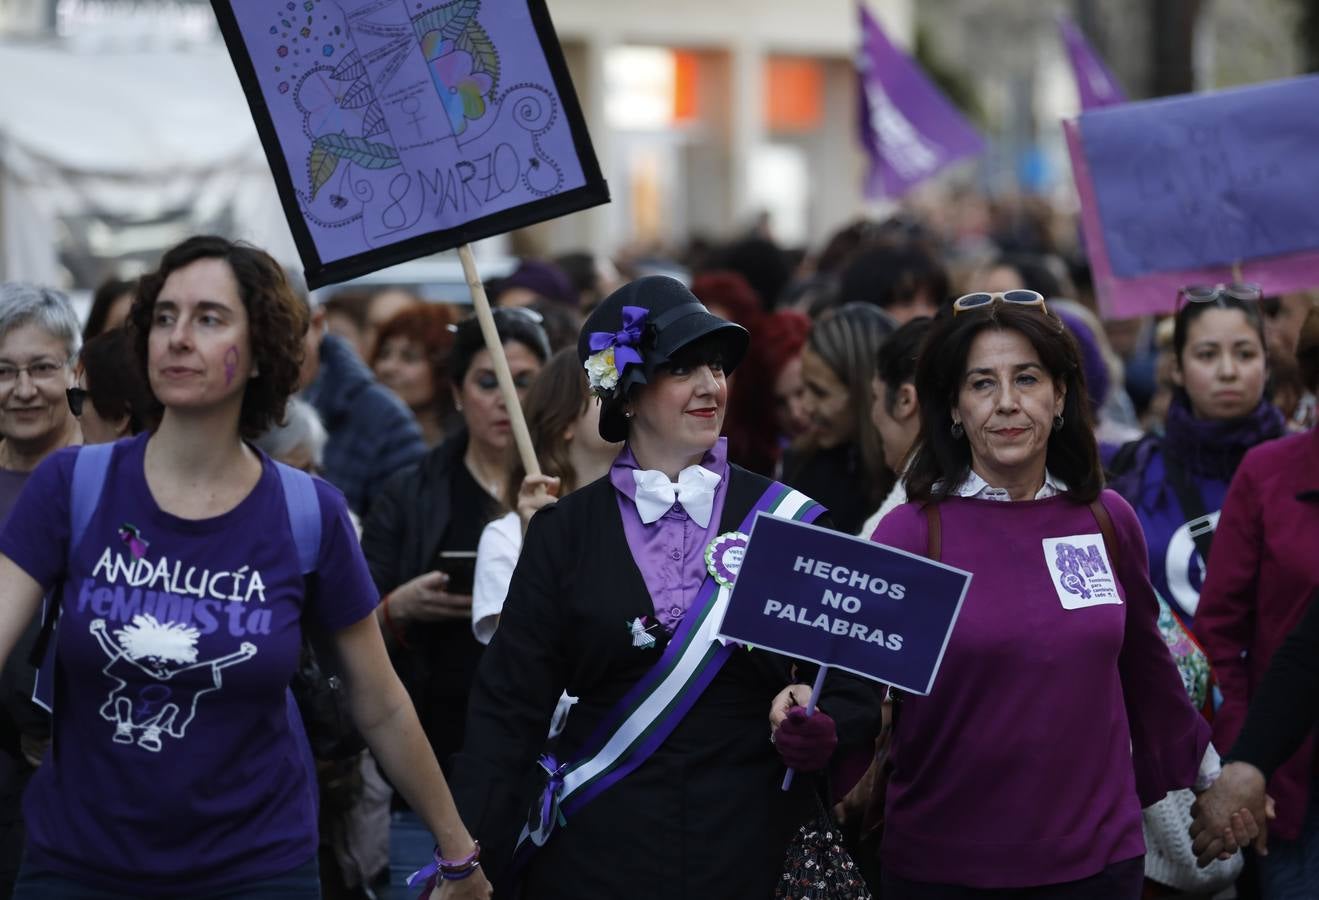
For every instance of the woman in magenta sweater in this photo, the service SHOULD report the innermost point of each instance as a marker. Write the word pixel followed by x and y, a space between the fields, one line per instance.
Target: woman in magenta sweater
pixel 1057 713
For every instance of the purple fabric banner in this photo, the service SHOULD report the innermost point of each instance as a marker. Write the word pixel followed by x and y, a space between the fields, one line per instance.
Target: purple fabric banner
pixel 1095 84
pixel 909 129
pixel 1198 189
pixel 844 602
pixel 396 129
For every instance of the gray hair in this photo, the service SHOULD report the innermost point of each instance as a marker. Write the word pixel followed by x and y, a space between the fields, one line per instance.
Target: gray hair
pixel 302 428
pixel 48 309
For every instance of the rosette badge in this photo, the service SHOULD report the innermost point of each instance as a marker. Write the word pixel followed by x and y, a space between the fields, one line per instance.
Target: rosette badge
pixel 613 351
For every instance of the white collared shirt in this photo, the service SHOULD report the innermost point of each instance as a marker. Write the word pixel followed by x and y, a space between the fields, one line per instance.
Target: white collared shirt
pixel 976 487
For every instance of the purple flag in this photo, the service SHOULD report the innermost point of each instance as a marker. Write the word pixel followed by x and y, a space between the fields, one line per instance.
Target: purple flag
pixel 1094 82
pixel 909 129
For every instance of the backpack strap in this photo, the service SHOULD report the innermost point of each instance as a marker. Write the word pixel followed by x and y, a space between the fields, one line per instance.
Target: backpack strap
pixel 304 509
pixel 1100 512
pixel 89 469
pixel 934 532
pixel 1192 503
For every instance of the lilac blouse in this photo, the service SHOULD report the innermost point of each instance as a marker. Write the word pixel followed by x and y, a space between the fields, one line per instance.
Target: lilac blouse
pixel 670 552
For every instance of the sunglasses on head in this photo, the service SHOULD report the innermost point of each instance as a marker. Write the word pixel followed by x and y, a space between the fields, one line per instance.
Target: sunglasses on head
pixel 76 396
pixel 1208 293
pixel 986 299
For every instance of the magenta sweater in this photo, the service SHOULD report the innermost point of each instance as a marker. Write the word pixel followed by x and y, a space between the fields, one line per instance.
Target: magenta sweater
pixel 1057 713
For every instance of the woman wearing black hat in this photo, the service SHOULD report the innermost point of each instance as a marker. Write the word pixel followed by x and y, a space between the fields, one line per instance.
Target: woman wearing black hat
pixel 663 775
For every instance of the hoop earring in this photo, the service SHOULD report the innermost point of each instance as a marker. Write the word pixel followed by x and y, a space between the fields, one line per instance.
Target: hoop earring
pixel 627 413
pixel 1058 422
pixel 958 431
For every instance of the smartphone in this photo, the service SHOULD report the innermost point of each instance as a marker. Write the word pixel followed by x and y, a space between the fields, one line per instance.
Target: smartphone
pixel 460 566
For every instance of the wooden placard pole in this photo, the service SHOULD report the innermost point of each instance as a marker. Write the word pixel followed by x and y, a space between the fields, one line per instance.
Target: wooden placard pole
pixel 496 347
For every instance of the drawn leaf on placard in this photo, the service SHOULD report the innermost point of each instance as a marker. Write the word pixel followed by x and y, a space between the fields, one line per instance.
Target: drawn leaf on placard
pixel 350 69
pixel 373 121
pixel 367 154
pixel 485 57
pixel 450 20
pixel 358 95
pixel 321 166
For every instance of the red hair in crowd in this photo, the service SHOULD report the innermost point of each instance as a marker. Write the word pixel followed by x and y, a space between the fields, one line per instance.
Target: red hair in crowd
pixel 729 296
pixel 751 425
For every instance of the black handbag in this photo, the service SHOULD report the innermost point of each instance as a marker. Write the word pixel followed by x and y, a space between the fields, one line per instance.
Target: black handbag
pixel 817 866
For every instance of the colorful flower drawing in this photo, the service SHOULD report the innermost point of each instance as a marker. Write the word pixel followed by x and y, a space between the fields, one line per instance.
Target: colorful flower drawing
pixel 462 91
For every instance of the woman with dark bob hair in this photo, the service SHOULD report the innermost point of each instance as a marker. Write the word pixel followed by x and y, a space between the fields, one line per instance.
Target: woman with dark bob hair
pixel 667 782
pixel 190 565
pixel 1057 714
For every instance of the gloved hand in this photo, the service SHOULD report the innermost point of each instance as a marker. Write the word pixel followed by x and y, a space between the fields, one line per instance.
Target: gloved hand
pixel 806 743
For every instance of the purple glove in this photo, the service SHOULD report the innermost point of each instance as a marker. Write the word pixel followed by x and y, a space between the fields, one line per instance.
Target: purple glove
pixel 806 743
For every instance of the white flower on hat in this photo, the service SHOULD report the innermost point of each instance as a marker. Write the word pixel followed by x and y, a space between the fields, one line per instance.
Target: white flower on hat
pixel 601 372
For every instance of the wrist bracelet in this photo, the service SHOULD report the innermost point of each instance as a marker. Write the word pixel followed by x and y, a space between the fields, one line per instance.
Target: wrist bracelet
pixel 441 869
pixel 389 623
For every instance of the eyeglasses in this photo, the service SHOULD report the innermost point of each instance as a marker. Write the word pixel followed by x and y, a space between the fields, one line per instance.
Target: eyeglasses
pixel 42 370
pixel 76 396
pixel 525 313
pixel 1208 293
pixel 985 299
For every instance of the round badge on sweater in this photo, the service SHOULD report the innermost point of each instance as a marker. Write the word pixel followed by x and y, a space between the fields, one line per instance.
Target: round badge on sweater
pixel 723 558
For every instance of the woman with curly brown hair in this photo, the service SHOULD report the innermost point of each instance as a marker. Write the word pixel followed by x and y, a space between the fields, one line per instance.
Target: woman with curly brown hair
pixel 189 565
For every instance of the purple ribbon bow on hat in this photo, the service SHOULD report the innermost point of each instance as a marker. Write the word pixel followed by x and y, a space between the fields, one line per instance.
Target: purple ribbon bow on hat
pixel 624 342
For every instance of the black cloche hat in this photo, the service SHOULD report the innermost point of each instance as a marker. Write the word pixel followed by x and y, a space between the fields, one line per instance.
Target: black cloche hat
pixel 636 330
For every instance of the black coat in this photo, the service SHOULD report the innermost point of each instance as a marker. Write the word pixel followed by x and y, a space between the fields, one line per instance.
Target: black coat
pixel 703 817
pixel 400 539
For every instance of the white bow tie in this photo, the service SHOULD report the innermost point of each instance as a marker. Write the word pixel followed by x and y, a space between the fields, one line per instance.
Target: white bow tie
pixel 694 490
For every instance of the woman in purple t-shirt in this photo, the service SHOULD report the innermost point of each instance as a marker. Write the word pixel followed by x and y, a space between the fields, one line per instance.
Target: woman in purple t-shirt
pixel 1057 714
pixel 178 763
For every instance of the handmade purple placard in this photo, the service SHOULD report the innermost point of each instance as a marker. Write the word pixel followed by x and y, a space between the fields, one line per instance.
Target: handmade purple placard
pixel 397 128
pixel 1155 293
pixel 844 602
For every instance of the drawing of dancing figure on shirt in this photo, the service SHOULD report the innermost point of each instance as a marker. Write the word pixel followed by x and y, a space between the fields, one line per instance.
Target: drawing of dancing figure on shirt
pixel 161 651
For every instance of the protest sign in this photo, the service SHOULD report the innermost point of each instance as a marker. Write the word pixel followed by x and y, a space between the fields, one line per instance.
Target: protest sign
pixel 909 129
pixel 844 602
pixel 396 129
pixel 1199 189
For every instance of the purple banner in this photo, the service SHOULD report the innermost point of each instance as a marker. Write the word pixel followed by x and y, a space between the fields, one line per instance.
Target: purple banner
pixel 396 128
pixel 1095 84
pixel 1198 189
pixel 844 602
pixel 909 129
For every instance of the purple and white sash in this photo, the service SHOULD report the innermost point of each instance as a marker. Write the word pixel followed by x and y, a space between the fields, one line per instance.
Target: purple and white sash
pixel 640 722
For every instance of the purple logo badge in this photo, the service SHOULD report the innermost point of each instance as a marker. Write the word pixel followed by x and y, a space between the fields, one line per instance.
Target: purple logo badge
pixel 1077 565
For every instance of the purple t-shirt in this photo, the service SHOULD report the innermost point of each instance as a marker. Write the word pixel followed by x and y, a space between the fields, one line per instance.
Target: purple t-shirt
pixel 670 552
pixel 178 763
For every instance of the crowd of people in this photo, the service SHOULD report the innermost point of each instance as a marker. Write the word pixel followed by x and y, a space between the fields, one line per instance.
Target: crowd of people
pixel 276 580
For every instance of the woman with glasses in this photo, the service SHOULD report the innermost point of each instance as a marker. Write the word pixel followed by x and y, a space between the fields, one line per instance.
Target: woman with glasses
pixel 666 774
pixel 1057 713
pixel 112 399
pixel 38 337
pixel 421 535
pixel 189 568
pixel 1176 481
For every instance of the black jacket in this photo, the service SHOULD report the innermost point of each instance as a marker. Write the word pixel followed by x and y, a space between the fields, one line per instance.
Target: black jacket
pixel 400 539
pixel 704 816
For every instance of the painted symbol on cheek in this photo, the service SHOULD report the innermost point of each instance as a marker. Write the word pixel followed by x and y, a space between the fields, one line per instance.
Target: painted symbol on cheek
pixel 230 365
